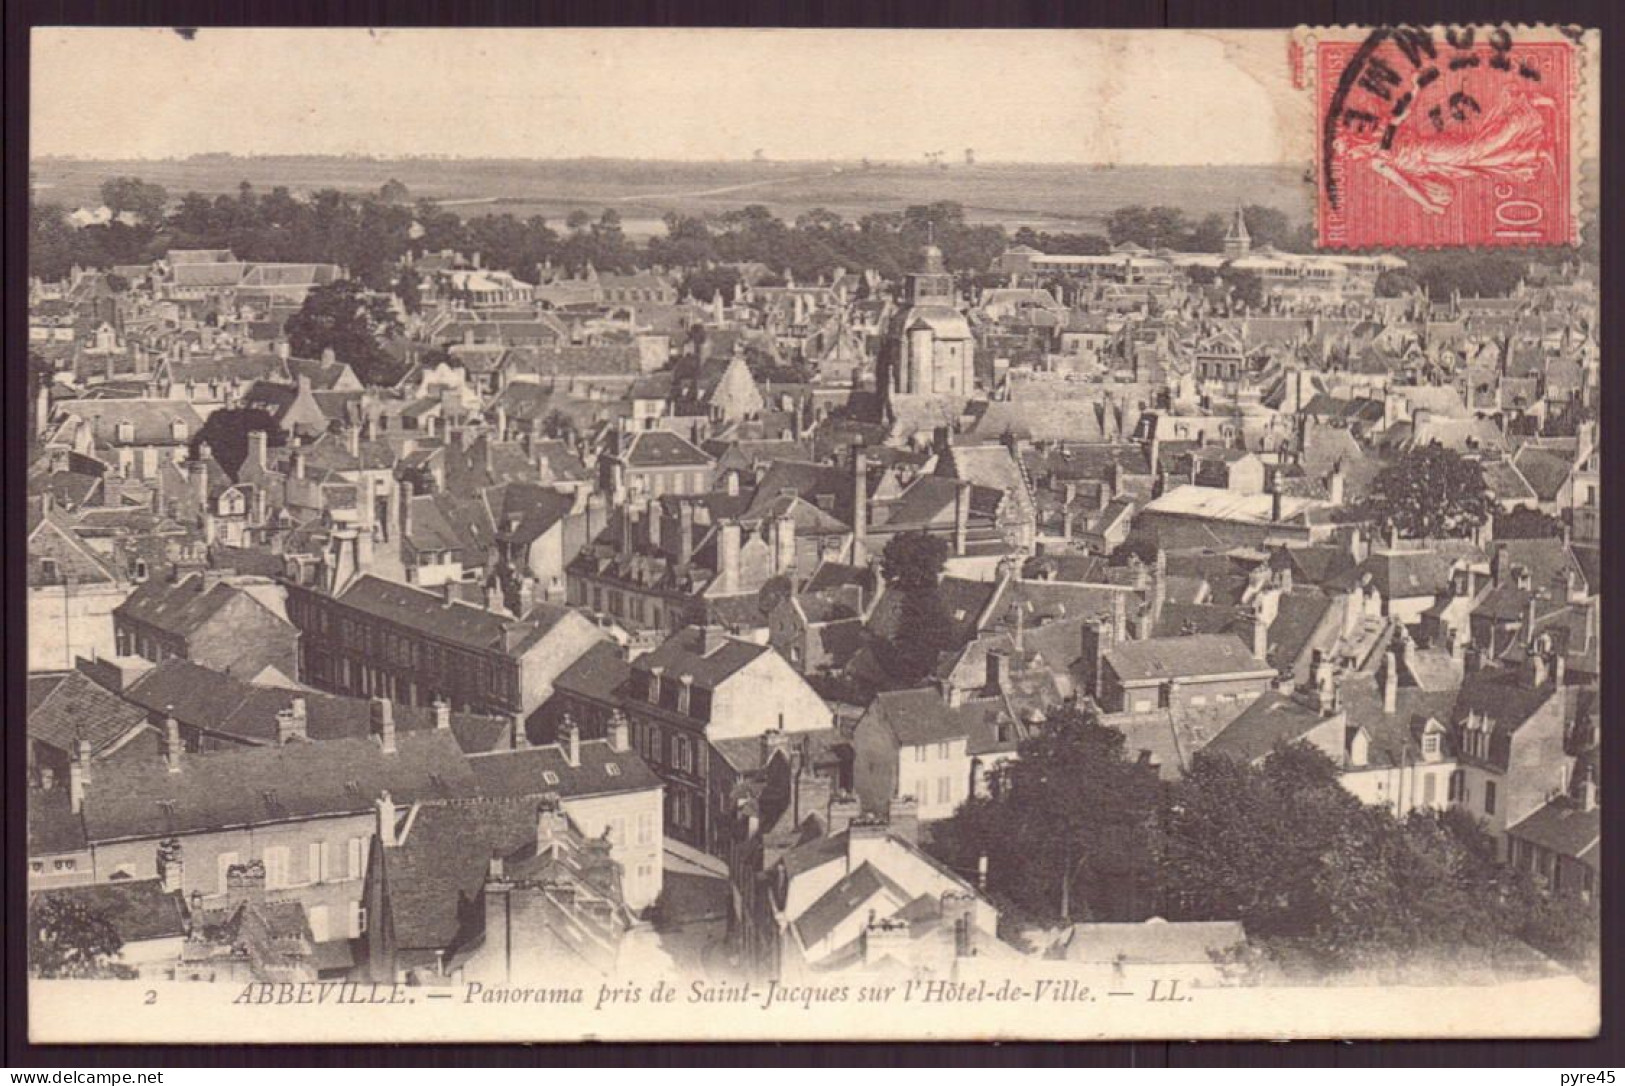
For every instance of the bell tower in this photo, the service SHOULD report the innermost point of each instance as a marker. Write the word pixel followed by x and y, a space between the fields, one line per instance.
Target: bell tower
pixel 1237 241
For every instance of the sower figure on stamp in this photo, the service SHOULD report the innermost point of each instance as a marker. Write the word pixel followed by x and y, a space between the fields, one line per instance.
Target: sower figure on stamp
pixel 1509 144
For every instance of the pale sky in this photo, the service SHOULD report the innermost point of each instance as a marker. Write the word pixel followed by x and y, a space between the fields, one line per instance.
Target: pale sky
pixel 1155 97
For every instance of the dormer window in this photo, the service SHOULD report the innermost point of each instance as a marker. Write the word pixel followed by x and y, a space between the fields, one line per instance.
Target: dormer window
pixel 654 686
pixel 178 430
pixel 125 432
pixel 1430 745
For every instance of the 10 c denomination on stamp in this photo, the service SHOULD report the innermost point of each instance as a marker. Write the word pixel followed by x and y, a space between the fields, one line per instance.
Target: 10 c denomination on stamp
pixel 1445 137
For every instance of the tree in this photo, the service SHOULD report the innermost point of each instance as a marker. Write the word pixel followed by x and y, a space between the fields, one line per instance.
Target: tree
pixel 226 432
pixel 913 560
pixel 1068 832
pixel 1526 523
pixel 1397 283
pixel 345 318
pixel 394 192
pixel 1430 493
pixel 1245 286
pixel 922 633
pixel 409 289
pixel 131 194
pixel 1243 842
pixel 69 939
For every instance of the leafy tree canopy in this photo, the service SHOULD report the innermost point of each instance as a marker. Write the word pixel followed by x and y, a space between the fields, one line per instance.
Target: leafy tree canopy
pixel 913 560
pixel 69 939
pixel 342 317
pixel 1430 493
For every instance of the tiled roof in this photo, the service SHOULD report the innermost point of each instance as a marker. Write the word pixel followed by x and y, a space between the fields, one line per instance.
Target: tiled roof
pixel 77 708
pixel 1273 718
pixel 259 785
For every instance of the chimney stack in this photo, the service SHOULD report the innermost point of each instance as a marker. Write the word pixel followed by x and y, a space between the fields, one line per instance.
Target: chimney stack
pixel 620 739
pixel 171 866
pixel 961 516
pixel 728 544
pixel 685 532
pixel 1390 683
pixel 173 748
pixel 572 742
pixel 78 775
pixel 385 809
pixel 291 722
pixel 383 723
pixel 860 503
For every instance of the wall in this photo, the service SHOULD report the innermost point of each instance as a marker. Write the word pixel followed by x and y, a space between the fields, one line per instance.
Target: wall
pixel 1403 788
pixel 68 622
pixel 337 887
pixel 560 647
pixel 763 695
pixel 640 860
pixel 925 769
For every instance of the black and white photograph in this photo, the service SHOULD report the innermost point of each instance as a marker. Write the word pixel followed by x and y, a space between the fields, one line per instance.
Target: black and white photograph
pixel 681 534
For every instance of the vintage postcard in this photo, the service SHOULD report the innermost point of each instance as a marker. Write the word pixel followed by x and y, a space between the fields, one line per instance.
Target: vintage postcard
pixel 548 535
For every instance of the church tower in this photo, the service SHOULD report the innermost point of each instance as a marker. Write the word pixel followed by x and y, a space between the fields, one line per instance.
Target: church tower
pixel 1237 241
pixel 928 349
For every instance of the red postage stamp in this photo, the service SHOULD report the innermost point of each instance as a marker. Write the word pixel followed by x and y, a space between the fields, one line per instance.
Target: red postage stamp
pixel 1445 137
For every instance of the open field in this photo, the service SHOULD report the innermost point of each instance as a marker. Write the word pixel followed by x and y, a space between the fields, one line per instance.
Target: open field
pixel 1055 197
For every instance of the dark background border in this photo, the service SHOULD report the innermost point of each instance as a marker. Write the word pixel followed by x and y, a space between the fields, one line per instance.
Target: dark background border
pixel 21 14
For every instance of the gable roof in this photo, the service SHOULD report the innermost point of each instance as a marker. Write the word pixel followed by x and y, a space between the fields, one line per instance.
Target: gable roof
pixel 536 771
pixel 1180 657
pixel 76 708
pixel 261 785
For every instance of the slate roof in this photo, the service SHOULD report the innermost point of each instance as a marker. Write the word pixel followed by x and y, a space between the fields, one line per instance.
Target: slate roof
pixel 1180 657
pixel 921 716
pixel 439 871
pixel 1564 827
pixel 664 449
pixel 535 771
pixel 465 624
pixel 53 828
pixel 1272 719
pixel 598 675
pixel 183 608
pixel 203 698
pixel 680 654
pixel 262 785
pixel 838 902
pixel 151 419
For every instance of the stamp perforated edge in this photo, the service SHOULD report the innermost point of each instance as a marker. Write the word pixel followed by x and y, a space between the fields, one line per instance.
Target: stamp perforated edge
pixel 1583 194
